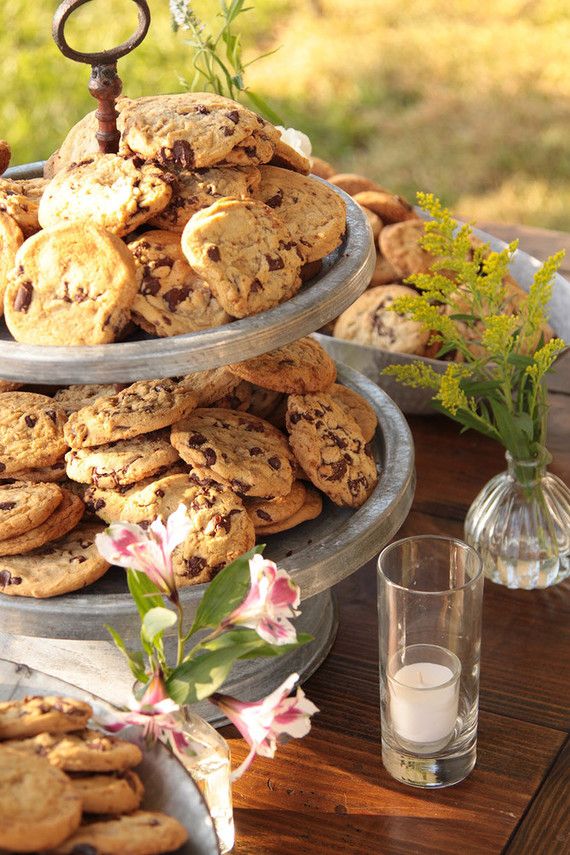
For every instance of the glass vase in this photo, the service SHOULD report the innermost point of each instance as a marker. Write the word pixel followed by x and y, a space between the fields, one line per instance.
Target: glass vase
pixel 520 525
pixel 208 762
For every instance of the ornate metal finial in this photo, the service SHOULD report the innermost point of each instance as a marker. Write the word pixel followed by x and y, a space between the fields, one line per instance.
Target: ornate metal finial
pixel 104 84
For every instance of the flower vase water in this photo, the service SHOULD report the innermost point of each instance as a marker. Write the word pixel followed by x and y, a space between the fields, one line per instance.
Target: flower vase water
pixel 520 525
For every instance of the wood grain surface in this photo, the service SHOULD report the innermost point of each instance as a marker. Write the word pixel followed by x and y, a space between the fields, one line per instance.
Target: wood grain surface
pixel 329 794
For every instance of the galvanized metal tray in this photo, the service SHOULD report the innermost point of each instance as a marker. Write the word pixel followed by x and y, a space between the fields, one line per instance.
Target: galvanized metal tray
pixel 168 787
pixel 345 275
pixel 318 553
pixel 371 360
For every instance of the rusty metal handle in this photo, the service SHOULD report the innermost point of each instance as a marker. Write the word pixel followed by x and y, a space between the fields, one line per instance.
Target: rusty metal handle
pixel 104 84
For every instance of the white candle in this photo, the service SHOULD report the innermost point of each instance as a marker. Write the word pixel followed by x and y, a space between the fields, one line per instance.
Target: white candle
pixel 424 699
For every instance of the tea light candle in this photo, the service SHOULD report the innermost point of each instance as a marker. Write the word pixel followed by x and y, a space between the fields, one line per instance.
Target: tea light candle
pixel 424 696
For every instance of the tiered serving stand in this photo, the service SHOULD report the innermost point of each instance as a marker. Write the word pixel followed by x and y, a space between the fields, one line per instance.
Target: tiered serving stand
pixel 65 636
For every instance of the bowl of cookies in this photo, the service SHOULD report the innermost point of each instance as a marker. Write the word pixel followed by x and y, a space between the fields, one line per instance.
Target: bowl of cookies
pixel 68 785
pixel 369 336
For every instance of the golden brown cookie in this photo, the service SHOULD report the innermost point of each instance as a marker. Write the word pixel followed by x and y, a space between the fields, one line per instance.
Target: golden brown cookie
pixel 73 398
pixel 194 189
pixel 314 214
pixel 20 199
pixel 238 399
pixel 321 168
pixel 72 284
pixel 5 155
pixel 57 568
pixel 374 222
pixel 38 804
pixel 122 463
pixel 211 385
pixel 246 254
pixel 37 714
pixel 143 407
pixel 309 510
pixel 287 157
pixel 118 792
pixel 42 474
pixel 31 432
pixel 264 402
pixel 352 183
pixel 268 511
pixel 400 245
pixel 110 505
pixel 242 450
pixel 11 239
pixel 384 273
pixel 296 368
pixel 372 322
pixel 389 207
pixel 116 193
pixel 81 751
pixel 330 447
pixel 63 519
pixel 171 299
pixel 24 506
pixel 138 833
pixel 357 407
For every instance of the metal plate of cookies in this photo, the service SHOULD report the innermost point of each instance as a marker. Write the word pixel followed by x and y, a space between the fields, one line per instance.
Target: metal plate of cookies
pixel 370 361
pixel 318 553
pixel 168 787
pixel 344 276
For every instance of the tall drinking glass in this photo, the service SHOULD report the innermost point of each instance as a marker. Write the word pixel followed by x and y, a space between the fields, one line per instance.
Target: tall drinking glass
pixel 429 613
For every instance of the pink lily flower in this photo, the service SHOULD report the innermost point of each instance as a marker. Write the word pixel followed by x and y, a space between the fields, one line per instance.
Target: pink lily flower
pixel 273 598
pixel 147 550
pixel 262 723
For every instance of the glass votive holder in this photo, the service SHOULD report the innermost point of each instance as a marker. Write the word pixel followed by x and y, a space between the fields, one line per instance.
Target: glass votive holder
pixel 429 616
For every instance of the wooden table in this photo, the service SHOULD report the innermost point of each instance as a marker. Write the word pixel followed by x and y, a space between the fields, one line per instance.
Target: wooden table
pixel 329 792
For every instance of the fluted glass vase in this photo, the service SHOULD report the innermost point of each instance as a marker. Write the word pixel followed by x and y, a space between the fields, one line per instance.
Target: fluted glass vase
pixel 520 525
pixel 207 760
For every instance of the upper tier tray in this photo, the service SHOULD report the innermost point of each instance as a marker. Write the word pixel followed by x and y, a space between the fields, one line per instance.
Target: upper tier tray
pixel 318 553
pixel 345 275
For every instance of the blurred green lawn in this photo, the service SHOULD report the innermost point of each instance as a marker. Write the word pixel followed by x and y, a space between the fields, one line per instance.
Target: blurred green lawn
pixel 469 99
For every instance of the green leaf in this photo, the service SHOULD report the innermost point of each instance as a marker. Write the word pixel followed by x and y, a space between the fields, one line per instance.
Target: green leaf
pixel 134 657
pixel 460 317
pixel 144 592
pixel 198 678
pixel 225 592
pixel 156 621
pixel 240 636
pixel 510 431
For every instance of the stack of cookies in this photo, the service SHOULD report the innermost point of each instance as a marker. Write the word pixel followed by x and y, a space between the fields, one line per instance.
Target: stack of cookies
pixel 249 449
pixel 204 216
pixel 67 788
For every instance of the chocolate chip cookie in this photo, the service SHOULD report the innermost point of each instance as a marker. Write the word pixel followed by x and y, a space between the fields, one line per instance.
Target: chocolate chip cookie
pixel 71 284
pixel 287 157
pixel 41 474
pixel 36 714
pixel 138 833
pixel 357 407
pixel 31 432
pixel 389 207
pixel 11 239
pixel 118 792
pixel 297 368
pixel 57 568
pixel 309 510
pixel 370 321
pixel 143 407
pixel 330 447
pixel 352 183
pixel 268 511
pixel 24 506
pixel 314 214
pixel 194 189
pixel 400 245
pixel 110 505
pixel 20 199
pixel 172 299
pixel 246 254
pixel 211 385
pixel 5 155
pixel 121 463
pixel 189 130
pixel 63 519
pixel 114 192
pixel 74 398
pixel 243 450
pixel 38 804
pixel 83 751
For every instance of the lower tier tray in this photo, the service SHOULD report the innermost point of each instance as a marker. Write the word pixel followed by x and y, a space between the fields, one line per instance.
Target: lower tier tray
pixel 317 554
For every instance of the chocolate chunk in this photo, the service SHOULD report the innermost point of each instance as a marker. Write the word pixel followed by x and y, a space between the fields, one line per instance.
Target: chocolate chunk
pixel 196 440
pixel 253 452
pixel 250 150
pixel 31 421
pixel 225 521
pixel 176 296
pixel 210 456
pixel 149 284
pixel 182 154
pixel 23 297
pixel 213 253
pixel 52 415
pixel 159 493
pixel 7 506
pixel 203 110
pixel 195 565
pixel 229 132
pixel 2 467
pixel 6 579
pixel 295 418
pixel 263 515
pixel 233 116
pixel 256 286
pixel 276 200
pixel 338 470
pixel 275 263
pixel 240 486
pixel 274 462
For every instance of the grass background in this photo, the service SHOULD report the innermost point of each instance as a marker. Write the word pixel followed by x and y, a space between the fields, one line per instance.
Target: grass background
pixel 469 99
